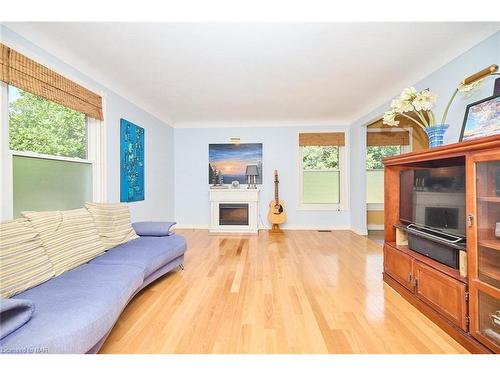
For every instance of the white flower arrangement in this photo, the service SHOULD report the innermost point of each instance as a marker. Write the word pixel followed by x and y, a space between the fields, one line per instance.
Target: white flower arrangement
pixel 411 100
pixel 421 103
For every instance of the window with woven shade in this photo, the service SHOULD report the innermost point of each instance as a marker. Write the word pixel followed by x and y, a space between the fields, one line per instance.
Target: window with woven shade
pixel 28 75
pixel 322 169
pixel 382 143
pixel 55 137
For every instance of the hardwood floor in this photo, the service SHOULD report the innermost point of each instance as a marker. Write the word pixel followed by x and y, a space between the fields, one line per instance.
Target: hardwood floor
pixel 296 292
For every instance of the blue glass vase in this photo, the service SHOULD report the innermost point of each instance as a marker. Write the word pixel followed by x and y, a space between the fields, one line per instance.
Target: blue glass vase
pixel 436 134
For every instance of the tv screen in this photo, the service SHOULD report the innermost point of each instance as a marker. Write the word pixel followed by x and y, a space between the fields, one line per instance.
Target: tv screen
pixel 434 197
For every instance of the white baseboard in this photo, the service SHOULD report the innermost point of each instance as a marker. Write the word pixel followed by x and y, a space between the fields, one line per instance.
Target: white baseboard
pixel 361 232
pixel 286 227
pixel 191 226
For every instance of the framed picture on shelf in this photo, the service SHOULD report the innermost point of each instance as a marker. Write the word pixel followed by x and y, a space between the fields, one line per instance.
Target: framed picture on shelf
pixel 482 118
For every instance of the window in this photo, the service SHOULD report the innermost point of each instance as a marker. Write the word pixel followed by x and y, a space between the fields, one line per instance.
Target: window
pixel 53 154
pixel 39 125
pixel 322 165
pixel 381 144
pixel 51 138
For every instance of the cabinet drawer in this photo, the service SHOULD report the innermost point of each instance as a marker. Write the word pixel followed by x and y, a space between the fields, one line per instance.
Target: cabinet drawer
pixel 398 265
pixel 444 293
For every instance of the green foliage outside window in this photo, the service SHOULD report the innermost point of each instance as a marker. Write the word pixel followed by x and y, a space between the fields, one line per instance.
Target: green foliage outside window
pixel 42 126
pixel 320 157
pixel 375 155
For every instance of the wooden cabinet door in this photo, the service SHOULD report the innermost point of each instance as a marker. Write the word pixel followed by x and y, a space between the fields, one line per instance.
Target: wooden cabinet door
pixel 398 265
pixel 483 246
pixel 444 293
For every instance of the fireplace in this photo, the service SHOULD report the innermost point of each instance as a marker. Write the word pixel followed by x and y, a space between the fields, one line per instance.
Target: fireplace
pixel 233 213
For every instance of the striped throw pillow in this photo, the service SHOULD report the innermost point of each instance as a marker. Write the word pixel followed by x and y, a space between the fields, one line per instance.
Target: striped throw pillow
pixel 112 221
pixel 69 237
pixel 23 260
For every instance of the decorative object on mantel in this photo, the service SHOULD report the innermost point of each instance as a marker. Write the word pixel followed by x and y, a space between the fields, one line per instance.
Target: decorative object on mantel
pixel 420 104
pixel 482 118
pixel 252 172
pixel 131 162
pixel 235 184
pixel 231 161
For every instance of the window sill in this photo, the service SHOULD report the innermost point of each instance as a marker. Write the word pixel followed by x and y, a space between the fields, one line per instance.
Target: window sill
pixel 320 207
pixel 375 206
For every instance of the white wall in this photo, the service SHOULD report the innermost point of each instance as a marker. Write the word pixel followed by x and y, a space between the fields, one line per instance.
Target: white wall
pixel 280 151
pixel 159 152
pixel 443 82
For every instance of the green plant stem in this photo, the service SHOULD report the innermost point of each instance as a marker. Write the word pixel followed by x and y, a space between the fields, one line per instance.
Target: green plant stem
pixel 415 121
pixel 445 114
pixel 422 118
pixel 432 118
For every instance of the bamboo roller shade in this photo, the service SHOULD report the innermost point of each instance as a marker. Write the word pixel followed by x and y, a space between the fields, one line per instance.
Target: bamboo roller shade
pixel 28 75
pixel 388 138
pixel 321 139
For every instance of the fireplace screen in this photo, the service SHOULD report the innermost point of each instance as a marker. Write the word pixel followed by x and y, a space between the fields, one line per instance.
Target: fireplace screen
pixel 233 214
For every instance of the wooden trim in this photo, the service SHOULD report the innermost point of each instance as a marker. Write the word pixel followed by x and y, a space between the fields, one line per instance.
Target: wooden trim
pixel 322 139
pixel 463 338
pixel 28 75
pixel 388 138
pixel 445 151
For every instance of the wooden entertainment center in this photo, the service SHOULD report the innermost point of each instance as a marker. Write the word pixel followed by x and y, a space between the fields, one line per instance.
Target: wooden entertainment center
pixel 464 302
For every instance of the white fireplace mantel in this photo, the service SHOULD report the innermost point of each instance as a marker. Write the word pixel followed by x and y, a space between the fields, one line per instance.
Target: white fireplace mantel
pixel 231 195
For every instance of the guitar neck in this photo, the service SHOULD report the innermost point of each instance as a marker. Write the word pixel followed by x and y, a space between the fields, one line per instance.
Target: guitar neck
pixel 276 196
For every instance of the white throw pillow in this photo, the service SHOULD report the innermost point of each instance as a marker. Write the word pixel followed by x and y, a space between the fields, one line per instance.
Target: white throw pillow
pixel 24 263
pixel 69 237
pixel 112 221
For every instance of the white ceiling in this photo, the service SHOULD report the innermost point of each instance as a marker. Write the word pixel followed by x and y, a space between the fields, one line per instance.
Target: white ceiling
pixel 190 74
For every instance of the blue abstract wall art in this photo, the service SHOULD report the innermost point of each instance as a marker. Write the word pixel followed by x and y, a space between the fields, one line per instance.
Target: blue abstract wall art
pixel 131 162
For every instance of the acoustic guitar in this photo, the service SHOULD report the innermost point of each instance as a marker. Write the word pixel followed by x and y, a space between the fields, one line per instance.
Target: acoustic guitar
pixel 277 214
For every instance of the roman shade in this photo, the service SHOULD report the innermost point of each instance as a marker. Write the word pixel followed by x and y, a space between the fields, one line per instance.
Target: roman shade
pixel 322 139
pixel 28 75
pixel 388 138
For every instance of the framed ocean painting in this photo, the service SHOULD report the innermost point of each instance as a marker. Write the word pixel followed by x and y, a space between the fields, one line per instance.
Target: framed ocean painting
pixel 131 162
pixel 231 160
pixel 482 118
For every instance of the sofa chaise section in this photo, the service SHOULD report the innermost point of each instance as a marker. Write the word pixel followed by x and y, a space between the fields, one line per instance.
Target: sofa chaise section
pixel 148 253
pixel 74 310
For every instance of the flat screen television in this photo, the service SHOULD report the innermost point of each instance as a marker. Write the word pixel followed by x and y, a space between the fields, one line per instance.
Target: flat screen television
pixel 435 198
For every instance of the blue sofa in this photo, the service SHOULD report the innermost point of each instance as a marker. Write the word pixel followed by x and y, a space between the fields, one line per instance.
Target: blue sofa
pixel 74 312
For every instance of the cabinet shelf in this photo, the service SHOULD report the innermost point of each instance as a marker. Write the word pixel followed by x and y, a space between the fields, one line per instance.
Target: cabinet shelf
pixel 490 244
pixel 491 272
pixel 493 199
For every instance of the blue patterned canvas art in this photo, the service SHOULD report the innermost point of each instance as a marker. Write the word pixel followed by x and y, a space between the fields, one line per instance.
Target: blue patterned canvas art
pixel 131 162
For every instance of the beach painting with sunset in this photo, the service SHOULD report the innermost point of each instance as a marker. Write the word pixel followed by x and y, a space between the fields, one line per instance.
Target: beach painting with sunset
pixel 232 160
